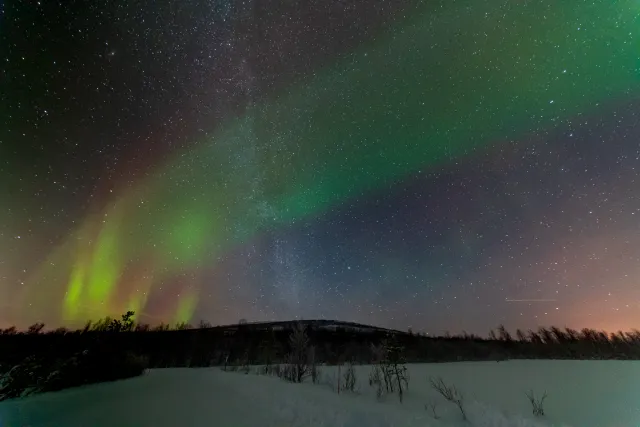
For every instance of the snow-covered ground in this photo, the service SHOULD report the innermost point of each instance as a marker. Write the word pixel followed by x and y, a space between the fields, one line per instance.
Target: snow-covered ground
pixel 580 394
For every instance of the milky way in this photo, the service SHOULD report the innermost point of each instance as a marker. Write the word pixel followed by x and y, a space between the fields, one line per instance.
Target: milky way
pixel 437 165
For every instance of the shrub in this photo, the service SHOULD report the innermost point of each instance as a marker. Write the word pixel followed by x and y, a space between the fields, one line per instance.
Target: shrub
pixel 350 377
pixel 316 374
pixel 537 404
pixel 94 366
pixel 21 380
pixel 87 367
pixel 375 380
pixel 390 375
pixel 450 393
pixel 288 372
pixel 313 367
pixel 431 409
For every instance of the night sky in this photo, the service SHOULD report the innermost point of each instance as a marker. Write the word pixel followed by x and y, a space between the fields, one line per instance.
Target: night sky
pixel 441 165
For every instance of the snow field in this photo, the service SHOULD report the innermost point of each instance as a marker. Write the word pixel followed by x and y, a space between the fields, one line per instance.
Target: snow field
pixel 580 394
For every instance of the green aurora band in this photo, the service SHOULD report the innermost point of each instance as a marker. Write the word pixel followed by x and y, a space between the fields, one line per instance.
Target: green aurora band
pixel 456 77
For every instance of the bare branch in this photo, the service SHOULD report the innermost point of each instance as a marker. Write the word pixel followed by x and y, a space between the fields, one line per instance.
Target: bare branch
pixel 450 393
pixel 431 409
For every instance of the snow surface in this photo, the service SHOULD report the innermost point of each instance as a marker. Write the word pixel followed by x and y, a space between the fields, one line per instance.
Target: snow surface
pixel 580 394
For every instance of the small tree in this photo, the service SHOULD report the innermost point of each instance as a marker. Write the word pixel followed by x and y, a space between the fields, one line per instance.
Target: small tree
pixel 246 366
pixel 504 334
pixel 313 367
pixel 161 327
pixel 558 334
pixel 398 373
pixel 546 335
pixel 204 324
pixel 142 327
pixel 572 334
pixel 431 409
pixel 350 377
pixel 375 380
pixel 127 321
pixel 537 404
pixel 390 371
pixel 10 331
pixel 298 358
pixel 115 325
pixel 35 329
pixel 87 327
pixel 182 326
pixel 450 393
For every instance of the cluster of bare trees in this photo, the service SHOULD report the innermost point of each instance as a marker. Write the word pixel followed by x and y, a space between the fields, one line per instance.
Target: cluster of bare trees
pixel 389 374
pixel 126 323
pixel 555 342
pixel 299 360
pixel 554 335
pixel 299 364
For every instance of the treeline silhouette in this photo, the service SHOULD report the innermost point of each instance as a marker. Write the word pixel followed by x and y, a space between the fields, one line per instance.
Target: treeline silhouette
pixel 184 345
pixel 119 348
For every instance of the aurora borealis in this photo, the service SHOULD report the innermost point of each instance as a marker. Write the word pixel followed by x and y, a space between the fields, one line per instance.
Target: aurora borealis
pixel 440 165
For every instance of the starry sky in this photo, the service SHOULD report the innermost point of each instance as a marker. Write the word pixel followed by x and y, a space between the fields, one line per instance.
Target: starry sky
pixel 439 165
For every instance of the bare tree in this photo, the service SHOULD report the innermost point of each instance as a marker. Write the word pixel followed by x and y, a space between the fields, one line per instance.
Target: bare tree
pixel 10 331
pixel 558 334
pixel 400 375
pixel 162 327
pixel 246 366
pixel 142 327
pixel 571 334
pixel 299 355
pixel 389 370
pixel 587 334
pixel 350 377
pixel 182 326
pixel 431 409
pixel 504 334
pixel 546 335
pixel 537 404
pixel 314 371
pixel 450 393
pixel 35 329
pixel 375 380
pixel 634 335
pixel 534 337
pixel 604 337
pixel 87 327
